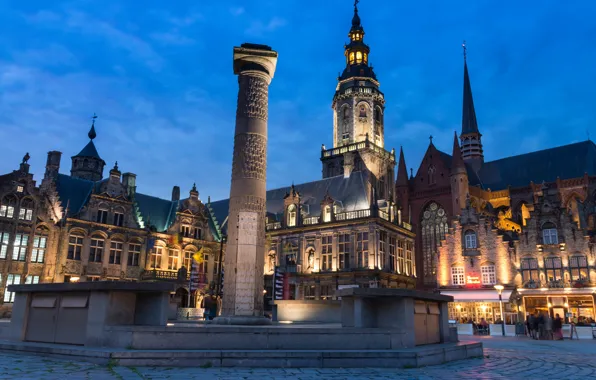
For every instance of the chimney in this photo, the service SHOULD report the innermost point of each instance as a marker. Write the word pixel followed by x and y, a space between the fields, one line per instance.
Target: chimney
pixel 129 180
pixel 175 193
pixel 52 165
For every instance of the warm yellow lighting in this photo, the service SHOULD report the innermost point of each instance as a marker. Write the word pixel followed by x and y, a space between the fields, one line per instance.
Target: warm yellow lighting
pixel 75 279
pixel 483 307
pixel 567 289
pixel 286 322
pixel 543 289
pixel 499 288
pixel 458 307
pixel 566 305
pixel 550 305
pixel 264 291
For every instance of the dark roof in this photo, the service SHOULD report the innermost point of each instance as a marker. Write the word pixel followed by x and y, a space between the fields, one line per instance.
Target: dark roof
pixel 73 192
pixel 447 159
pixel 568 161
pixel 468 122
pixel 89 151
pixel 350 193
pixel 157 212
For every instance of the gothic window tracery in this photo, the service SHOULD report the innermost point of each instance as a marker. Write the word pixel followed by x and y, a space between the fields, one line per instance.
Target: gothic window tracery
pixel 434 229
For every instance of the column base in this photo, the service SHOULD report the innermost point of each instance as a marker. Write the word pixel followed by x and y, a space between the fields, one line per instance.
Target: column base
pixel 239 320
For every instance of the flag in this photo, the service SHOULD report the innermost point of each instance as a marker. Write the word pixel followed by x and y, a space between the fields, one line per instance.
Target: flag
pixel 173 240
pixel 198 256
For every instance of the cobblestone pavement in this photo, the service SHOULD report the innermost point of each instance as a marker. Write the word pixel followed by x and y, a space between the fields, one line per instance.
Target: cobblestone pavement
pixel 505 358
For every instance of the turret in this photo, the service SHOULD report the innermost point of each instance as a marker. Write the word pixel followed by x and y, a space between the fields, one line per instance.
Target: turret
pixel 87 164
pixel 458 179
pixel 402 188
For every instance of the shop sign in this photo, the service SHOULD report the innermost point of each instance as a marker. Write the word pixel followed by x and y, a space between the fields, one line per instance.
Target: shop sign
pixel 473 280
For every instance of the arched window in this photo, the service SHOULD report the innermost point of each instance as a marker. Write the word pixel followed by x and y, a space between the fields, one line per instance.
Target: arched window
pixel 434 228
pixel 26 210
pixel 470 239
pixel 362 111
pixel 579 268
pixel 364 57
pixel 40 242
pixel 549 233
pixel 489 276
pixel 351 58
pixel 327 214
pixel 358 57
pixel 458 276
pixel 291 216
pixel 75 246
pixel 377 114
pixel 431 175
pixel 529 271
pixel 96 249
pixel 7 206
pixel 345 113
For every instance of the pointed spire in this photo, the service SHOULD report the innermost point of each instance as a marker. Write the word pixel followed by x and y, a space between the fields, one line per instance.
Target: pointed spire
pixel 411 173
pixel 116 166
pixel 194 186
pixel 92 133
pixel 469 123
pixel 457 163
pixel 402 171
pixel 356 18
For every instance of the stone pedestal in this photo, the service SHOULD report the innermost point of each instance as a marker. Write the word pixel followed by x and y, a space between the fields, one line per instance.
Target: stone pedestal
pixel 244 258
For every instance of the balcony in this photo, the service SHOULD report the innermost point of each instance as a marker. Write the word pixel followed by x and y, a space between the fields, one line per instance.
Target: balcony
pixel 273 226
pixel 357 146
pixel 557 284
pixel 311 220
pixel 170 276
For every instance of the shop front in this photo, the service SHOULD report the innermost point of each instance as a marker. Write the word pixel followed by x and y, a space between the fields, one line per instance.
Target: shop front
pixel 471 306
pixel 569 303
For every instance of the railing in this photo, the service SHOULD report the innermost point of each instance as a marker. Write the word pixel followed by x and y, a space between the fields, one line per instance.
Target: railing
pixel 170 276
pixel 357 146
pixel 273 226
pixel 557 284
pixel 384 215
pixel 310 220
pixel 349 215
pixel 407 226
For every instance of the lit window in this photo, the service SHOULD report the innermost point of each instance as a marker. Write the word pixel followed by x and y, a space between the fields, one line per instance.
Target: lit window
pixel 400 256
pixel 96 250
pixel 365 56
pixel 382 248
pixel 32 280
pixel 291 216
pixel 118 219
pixel 362 249
pixel 155 259
pixel 549 234
pixel 326 253
pixel 7 206
pixel 554 268
pixel 20 189
pixel 134 252
pixel 40 242
pixel 343 246
pixel 410 263
pixel 470 238
pixel 358 57
pixel 172 259
pixel 579 268
pixel 458 276
pixel 19 250
pixel 115 252
pixel 102 216
pixel 351 58
pixel 488 275
pixel 11 279
pixel 327 214
pixel 392 260
pixel 75 247
pixel 529 270
pixel 26 210
pixel 187 263
pixel 4 239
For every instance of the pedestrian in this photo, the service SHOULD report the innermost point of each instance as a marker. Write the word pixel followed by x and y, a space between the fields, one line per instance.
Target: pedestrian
pixel 212 306
pixel 541 330
pixel 548 327
pixel 530 323
pixel 206 304
pixel 558 328
pixel 536 326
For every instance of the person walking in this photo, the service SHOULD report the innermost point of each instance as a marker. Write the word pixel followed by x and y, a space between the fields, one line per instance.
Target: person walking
pixel 558 328
pixel 530 325
pixel 541 330
pixel 535 325
pixel 548 327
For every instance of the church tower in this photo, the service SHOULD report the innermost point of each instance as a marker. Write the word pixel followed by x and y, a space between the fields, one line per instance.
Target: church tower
pixel 358 121
pixel 471 143
pixel 87 164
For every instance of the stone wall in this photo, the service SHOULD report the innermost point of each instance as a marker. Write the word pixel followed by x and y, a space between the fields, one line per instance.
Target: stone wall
pixel 308 311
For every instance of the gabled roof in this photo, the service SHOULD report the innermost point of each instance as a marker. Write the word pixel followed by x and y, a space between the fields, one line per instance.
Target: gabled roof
pixel 350 193
pixel 89 151
pixel 157 212
pixel 73 192
pixel 567 161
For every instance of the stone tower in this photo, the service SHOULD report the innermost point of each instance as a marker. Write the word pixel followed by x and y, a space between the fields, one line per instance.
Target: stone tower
pixel 358 120
pixel 87 164
pixel 458 178
pixel 244 259
pixel 471 139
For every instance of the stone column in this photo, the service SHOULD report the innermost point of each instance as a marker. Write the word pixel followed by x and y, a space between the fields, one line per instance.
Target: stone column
pixel 244 259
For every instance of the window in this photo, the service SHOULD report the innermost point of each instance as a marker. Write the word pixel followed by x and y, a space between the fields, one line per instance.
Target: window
pixel 172 259
pixel 382 248
pixel 554 268
pixel 291 215
pixel 400 256
pixel 529 270
pixel 309 292
pixel 579 268
pixel 32 280
pixel 362 111
pixel 118 219
pixel 351 58
pixel 343 247
pixel 377 114
pixel 434 229
pixel 96 250
pixel 327 214
pixel 155 259
pixel 204 265
pixel 116 252
pixel 549 234
pixel 187 259
pixel 410 263
pixel 392 260
pixel 102 216
pixel 4 239
pixel 198 233
pixel 7 206
pixel 458 276
pixel 488 275
pixel 358 57
pixel 20 188
pixel 19 250
pixel 26 210
pixel 134 252
pixel 326 253
pixel 362 249
pixel 11 279
pixel 40 241
pixel 327 292
pixel 470 239
pixel 291 254
pixel 75 246
pixel 185 231
pixel 431 175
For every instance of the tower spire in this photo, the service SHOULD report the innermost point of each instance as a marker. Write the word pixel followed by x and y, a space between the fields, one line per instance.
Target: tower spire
pixel 471 144
pixel 402 170
pixel 92 133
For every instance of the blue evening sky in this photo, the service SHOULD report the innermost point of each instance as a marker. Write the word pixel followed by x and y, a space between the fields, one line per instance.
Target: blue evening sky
pixel 159 76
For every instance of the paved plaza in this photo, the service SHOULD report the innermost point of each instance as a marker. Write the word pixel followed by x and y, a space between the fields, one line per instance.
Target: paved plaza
pixel 505 358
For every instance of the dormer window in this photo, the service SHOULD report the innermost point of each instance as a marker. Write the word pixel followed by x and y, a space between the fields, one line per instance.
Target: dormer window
pixel 102 216
pixel 20 189
pixel 185 231
pixel 26 211
pixel 470 240
pixel 549 234
pixel 118 219
pixel 327 214
pixel 198 233
pixel 291 216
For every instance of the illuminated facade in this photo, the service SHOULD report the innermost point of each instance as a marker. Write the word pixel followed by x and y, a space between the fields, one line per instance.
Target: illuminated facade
pixel 525 222
pixel 84 227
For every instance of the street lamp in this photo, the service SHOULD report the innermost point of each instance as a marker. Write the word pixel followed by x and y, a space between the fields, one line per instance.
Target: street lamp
pixel 499 289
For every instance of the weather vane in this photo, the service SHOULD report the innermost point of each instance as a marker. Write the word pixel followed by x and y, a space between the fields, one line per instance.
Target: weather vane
pixel 94 117
pixel 356 3
pixel 465 49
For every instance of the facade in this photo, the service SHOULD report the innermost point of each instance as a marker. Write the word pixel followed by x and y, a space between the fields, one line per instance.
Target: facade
pixel 84 227
pixel 343 230
pixel 525 222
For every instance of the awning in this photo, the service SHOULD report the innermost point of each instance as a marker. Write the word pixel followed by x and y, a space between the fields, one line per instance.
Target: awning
pixel 477 295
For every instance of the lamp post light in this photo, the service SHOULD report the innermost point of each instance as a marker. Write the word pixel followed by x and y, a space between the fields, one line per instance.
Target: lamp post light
pixel 499 289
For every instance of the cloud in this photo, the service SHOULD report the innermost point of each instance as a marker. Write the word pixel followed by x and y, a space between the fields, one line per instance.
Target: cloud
pixel 172 38
pixel 258 28
pixel 237 11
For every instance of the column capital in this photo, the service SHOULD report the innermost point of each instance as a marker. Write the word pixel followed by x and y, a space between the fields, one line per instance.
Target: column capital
pixel 254 59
